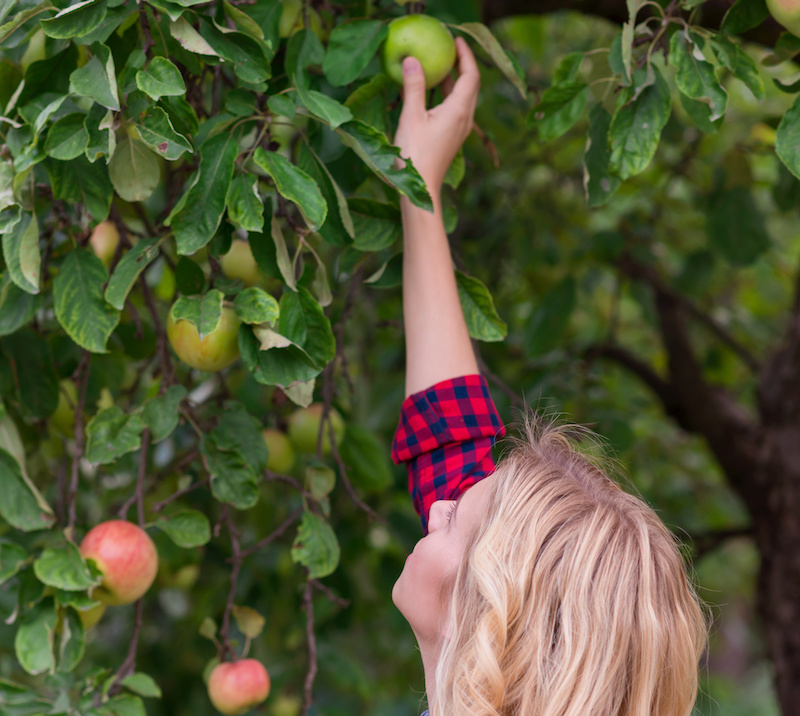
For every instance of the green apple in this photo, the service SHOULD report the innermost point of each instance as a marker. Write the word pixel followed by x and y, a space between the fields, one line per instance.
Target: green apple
pixel 281 453
pixel 236 686
pixel 35 50
pixel 104 241
pixel 211 353
pixel 126 556
pixel 423 37
pixel 239 263
pixel 787 13
pixel 304 429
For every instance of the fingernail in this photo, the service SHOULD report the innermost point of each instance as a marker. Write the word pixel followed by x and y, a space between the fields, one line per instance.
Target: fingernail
pixel 411 66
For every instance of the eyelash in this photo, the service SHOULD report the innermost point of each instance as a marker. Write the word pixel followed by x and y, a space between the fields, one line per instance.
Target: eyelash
pixel 450 512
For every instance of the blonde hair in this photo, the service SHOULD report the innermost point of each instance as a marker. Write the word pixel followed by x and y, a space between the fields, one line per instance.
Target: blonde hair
pixel 572 598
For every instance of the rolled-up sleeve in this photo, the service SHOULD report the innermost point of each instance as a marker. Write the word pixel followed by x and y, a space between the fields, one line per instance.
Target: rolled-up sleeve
pixel 445 438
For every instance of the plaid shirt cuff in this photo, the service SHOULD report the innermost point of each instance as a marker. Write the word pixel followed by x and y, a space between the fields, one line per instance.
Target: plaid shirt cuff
pixel 445 437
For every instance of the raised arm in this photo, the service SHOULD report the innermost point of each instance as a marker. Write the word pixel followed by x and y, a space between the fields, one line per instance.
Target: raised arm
pixel 438 346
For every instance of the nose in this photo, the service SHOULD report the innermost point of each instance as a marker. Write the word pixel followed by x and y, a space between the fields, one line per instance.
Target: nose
pixel 438 514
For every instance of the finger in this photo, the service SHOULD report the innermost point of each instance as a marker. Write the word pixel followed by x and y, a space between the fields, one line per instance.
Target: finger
pixel 447 85
pixel 413 87
pixel 469 78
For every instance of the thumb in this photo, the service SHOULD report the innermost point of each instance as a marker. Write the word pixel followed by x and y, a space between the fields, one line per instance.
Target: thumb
pixel 413 86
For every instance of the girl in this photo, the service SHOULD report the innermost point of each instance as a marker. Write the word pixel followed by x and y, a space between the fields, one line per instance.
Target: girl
pixel 544 590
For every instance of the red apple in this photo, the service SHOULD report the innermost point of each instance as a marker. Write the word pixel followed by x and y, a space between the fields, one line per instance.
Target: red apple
pixel 126 556
pixel 213 352
pixel 304 429
pixel 281 453
pixel 236 686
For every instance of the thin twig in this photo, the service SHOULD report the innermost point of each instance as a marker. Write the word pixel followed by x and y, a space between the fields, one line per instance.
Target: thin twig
pixel 81 376
pixel 272 536
pixel 308 602
pixel 236 560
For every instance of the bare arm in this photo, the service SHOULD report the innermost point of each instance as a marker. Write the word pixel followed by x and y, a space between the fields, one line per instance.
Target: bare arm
pixel 438 346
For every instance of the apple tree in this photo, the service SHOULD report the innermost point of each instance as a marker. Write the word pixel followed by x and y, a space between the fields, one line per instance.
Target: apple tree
pixel 199 307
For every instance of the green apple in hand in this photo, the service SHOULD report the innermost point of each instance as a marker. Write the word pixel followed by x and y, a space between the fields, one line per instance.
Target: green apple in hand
pixel 423 37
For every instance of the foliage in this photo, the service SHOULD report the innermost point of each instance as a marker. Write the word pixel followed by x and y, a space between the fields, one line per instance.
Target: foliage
pixel 190 124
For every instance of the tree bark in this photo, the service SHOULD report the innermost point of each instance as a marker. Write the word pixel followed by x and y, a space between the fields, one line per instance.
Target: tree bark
pixel 711 14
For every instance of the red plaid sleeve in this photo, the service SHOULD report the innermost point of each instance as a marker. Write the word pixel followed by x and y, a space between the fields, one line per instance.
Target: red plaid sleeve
pixel 445 437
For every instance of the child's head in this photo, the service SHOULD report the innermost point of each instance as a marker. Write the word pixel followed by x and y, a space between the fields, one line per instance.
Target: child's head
pixel 567 596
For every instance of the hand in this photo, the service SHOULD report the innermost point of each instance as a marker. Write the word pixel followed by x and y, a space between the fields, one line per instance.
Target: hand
pixel 431 138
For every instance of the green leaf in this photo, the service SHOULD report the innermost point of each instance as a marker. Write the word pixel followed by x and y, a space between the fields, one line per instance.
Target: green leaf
pixel 350 49
pixel 787 142
pixel 479 312
pixel 189 277
pixel 99 125
pixel 202 311
pixel 111 433
pixel 71 641
pixel 367 460
pixel 143 685
pixel 376 152
pixel 280 105
pixel 249 621
pixel 156 130
pixel 240 432
pixel 77 20
pixel 97 78
pixel 599 184
pixel 22 505
pixel 320 480
pixel 561 107
pixel 187 528
pixel 550 320
pixel 377 225
pixel 189 38
pixel 161 414
pixel 67 138
pixel 243 21
pixel 284 366
pixel 636 126
pixel 695 77
pixel 21 253
pixel 295 185
pixel 64 568
pixel 17 307
pixel 245 207
pixel 128 270
pixel 79 304
pixel 316 547
pixel 245 54
pixel 734 58
pixel 254 305
pixel 326 108
pixel 303 322
pixel 123 705
pixel 489 43
pixel 32 370
pixel 232 479
pixel 282 259
pixel 134 170
pixel 736 227
pixel 196 218
pixel 160 78
pixel 744 15
pixel 34 639
pixel 12 558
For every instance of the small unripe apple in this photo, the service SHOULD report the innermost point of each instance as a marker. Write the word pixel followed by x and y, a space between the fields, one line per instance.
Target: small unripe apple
pixel 236 686
pixel 240 263
pixel 89 617
pixel 423 37
pixel 213 352
pixel 281 453
pixel 63 419
pixel 787 13
pixel 104 241
pixel 304 428
pixel 126 556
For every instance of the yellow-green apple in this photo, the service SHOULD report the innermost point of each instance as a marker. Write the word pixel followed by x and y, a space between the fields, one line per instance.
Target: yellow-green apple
pixel 787 13
pixel 423 37
pixel 126 556
pixel 213 352
pixel 104 241
pixel 35 50
pixel 236 686
pixel 91 615
pixel 281 453
pixel 63 419
pixel 240 263
pixel 304 428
